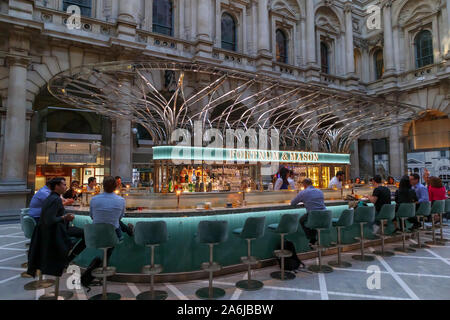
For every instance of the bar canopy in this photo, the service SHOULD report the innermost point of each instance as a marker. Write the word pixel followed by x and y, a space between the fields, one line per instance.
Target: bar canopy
pixel 163 96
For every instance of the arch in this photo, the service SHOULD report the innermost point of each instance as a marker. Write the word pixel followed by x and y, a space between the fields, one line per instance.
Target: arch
pixel 289 8
pixel 328 18
pixel 163 17
pixel 228 32
pixel 281 46
pixel 423 48
pixel 406 11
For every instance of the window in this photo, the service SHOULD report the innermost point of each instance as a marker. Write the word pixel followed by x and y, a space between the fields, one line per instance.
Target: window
pixel 281 40
pixel 85 6
pixel 324 58
pixel 424 48
pixel 163 17
pixel 379 64
pixel 228 32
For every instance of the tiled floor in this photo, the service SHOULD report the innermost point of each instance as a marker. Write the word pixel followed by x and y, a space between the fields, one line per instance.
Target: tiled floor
pixel 424 274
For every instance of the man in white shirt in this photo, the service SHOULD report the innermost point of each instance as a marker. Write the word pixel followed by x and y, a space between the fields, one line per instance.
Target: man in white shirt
pixel 336 182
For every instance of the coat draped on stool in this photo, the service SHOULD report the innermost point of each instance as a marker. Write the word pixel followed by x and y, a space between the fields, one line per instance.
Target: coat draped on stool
pixel 50 243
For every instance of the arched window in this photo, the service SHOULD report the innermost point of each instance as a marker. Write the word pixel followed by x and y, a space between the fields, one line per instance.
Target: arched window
pixel 228 32
pixel 424 48
pixel 282 52
pixel 379 63
pixel 324 58
pixel 85 6
pixel 163 17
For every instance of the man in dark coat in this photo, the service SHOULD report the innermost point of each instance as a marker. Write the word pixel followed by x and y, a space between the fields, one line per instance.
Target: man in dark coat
pixel 51 247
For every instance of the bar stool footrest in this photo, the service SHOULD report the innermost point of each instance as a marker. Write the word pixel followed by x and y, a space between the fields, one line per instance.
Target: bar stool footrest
pixel 249 285
pixel 211 267
pixel 157 295
pixel 100 272
pixel 249 260
pixel 149 270
pixel 203 293
pixel 282 253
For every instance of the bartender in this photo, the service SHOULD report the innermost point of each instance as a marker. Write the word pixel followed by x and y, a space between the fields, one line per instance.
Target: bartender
pixel 336 182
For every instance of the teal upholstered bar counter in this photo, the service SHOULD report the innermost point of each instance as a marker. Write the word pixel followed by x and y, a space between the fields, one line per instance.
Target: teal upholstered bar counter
pixel 183 253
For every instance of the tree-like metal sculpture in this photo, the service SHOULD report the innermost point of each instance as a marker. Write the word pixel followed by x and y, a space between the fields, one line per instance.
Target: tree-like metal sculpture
pixel 227 99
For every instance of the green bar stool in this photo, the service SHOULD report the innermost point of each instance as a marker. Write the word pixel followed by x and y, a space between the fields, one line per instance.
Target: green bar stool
pixel 387 213
pixel 57 294
pixel 211 233
pixel 437 208
pixel 363 215
pixel 253 229
pixel 288 224
pixel 23 213
pixel 28 226
pixel 345 220
pixel 405 211
pixel 441 223
pixel 102 236
pixel 151 234
pixel 447 209
pixel 423 211
pixel 320 220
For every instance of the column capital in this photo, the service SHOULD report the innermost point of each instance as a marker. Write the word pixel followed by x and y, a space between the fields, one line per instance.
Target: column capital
pixel 386 3
pixel 21 61
pixel 348 6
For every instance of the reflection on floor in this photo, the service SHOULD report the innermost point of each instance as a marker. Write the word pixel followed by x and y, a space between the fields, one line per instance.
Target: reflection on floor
pixel 424 274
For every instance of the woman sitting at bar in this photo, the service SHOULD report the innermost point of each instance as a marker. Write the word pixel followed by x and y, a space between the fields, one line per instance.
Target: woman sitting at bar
pixel 72 192
pixel 436 191
pixel 282 182
pixel 405 194
pixel 390 180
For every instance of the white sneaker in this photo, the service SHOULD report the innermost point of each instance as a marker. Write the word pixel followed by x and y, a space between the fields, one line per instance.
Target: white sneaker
pixel 376 229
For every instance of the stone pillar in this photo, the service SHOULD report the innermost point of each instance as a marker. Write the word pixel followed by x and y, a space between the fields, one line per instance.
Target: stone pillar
pixel 354 159
pixel 388 40
pixel 122 143
pixel 349 39
pixel 127 20
pixel 365 153
pixel 310 34
pixel 396 154
pixel 263 28
pixel 204 27
pixel 448 28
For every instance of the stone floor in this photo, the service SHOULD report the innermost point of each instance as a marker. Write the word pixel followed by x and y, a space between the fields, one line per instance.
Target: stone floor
pixel 424 274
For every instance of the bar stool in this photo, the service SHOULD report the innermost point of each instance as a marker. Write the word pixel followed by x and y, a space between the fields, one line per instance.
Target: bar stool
pixel 441 223
pixel 319 220
pixel 363 216
pixel 288 224
pixel 387 213
pixel 253 229
pixel 405 211
pixel 28 226
pixel 211 233
pixel 447 209
pixel 345 220
pixel 423 211
pixel 437 208
pixel 57 294
pixel 151 234
pixel 28 235
pixel 102 236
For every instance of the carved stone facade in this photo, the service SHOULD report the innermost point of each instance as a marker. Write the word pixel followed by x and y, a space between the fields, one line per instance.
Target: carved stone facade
pixel 35 32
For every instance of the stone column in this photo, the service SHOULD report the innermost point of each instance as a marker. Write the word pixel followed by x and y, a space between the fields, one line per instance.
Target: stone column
pixel 388 40
pixel 122 142
pixel 349 39
pixel 126 27
pixel 448 29
pixel 15 140
pixel 310 33
pixel 396 154
pixel 204 27
pixel 263 28
pixel 354 167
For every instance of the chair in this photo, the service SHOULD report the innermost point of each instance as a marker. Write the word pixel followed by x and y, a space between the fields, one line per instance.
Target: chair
pixel 211 233
pixel 441 223
pixel 363 216
pixel 437 208
pixel 151 234
pixel 423 211
pixel 253 229
pixel 24 212
pixel 387 213
pixel 405 211
pixel 288 224
pixel 102 236
pixel 57 294
pixel 319 220
pixel 447 209
pixel 345 220
pixel 28 226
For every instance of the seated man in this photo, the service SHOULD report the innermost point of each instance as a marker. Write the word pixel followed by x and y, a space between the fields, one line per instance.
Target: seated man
pixel 313 199
pixel 51 247
pixel 38 201
pixel 381 195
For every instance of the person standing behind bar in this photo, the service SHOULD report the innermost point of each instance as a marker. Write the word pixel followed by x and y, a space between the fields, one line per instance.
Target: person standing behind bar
pixel 337 180
pixel 313 199
pixel 282 182
pixel 92 182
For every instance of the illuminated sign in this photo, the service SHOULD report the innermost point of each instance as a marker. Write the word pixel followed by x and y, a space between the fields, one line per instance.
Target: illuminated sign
pixel 245 155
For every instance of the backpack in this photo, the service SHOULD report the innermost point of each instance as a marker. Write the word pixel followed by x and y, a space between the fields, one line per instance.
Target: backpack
pixel 291 263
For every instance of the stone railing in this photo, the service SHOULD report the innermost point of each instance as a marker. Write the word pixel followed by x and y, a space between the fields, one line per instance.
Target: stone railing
pixel 233 59
pixel 423 73
pixel 165 43
pixel 332 80
pixel 288 70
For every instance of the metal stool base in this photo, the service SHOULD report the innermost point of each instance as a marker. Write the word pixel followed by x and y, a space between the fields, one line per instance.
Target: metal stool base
pixel 422 246
pixel 62 295
pixel 343 264
pixel 39 284
pixel 438 243
pixel 287 275
pixel 157 295
pixel 249 285
pixel 363 258
pixel 384 253
pixel 320 269
pixel 406 249
pixel 203 293
pixel 109 296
